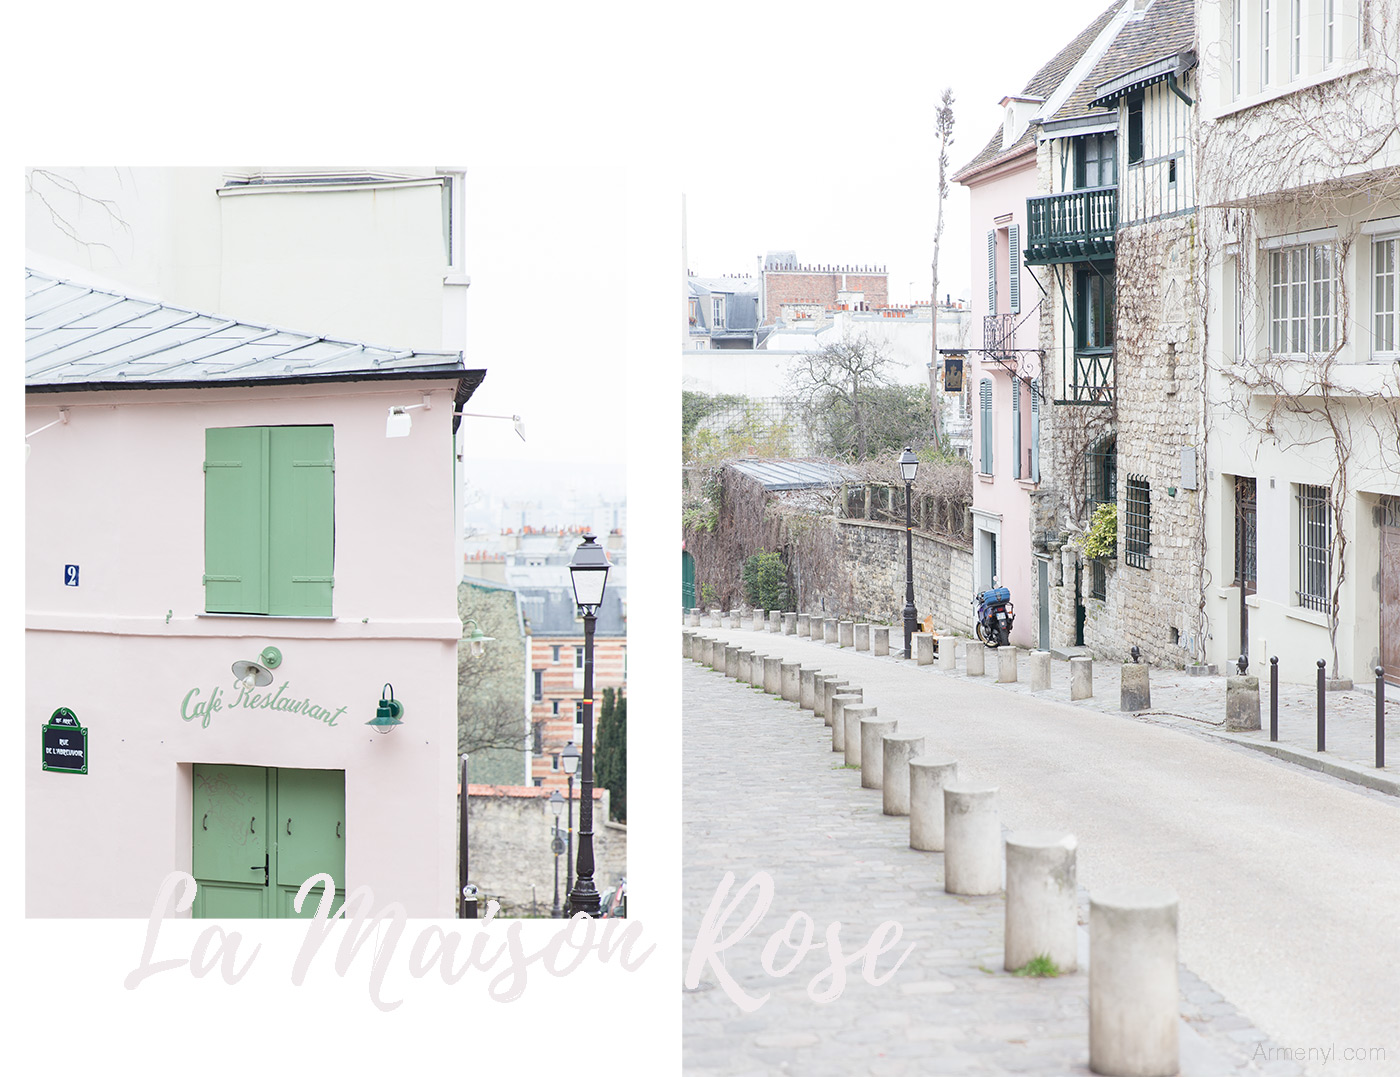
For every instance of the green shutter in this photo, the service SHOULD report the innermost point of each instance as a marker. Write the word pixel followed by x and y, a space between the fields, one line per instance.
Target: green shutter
pixel 301 538
pixel 234 520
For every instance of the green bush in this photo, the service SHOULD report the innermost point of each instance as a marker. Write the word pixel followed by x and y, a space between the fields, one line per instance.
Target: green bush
pixel 765 581
pixel 1101 540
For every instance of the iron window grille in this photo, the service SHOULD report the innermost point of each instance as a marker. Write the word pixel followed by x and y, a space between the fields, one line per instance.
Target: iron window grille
pixel 1245 519
pixel 1314 549
pixel 1137 532
pixel 1101 475
pixel 1098 581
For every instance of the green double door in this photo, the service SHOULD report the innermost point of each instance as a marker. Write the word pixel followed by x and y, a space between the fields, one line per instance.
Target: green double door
pixel 259 833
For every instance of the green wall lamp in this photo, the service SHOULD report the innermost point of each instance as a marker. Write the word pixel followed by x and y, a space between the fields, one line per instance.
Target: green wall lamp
pixel 258 674
pixel 478 639
pixel 390 712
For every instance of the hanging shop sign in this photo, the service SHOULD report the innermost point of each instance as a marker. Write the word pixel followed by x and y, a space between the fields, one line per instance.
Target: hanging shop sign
pixel 65 743
pixel 203 706
pixel 952 375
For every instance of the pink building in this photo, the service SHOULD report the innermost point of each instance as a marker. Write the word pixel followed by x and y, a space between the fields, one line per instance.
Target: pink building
pixel 230 560
pixel 1003 375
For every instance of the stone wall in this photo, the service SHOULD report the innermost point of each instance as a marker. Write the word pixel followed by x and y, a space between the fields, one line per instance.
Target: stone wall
pixel 509 845
pixel 1160 413
pixel 874 559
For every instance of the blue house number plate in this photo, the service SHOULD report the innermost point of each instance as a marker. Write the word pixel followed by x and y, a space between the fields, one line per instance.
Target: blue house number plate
pixel 70 575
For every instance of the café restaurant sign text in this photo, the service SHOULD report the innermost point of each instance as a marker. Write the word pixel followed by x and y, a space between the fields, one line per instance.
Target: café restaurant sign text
pixel 192 706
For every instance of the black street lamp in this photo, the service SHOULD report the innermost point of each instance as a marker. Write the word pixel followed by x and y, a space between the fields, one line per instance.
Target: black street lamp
pixel 570 757
pixel 556 846
pixel 589 570
pixel 908 468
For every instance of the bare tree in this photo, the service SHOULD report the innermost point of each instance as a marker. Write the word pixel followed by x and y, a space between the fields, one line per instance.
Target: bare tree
pixel 943 124
pixel 846 373
pixel 491 687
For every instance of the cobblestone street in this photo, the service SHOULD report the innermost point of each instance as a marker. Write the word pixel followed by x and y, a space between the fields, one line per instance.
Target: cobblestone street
pixel 764 792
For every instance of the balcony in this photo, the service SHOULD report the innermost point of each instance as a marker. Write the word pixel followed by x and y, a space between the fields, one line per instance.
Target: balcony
pixel 1073 227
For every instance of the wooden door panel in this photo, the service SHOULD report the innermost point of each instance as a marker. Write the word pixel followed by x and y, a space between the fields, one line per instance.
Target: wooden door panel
pixel 310 834
pixel 230 823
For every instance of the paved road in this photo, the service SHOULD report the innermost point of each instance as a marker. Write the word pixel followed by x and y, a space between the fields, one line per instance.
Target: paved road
pixel 1289 881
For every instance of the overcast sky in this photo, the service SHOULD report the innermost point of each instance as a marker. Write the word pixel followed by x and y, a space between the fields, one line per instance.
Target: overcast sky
pixel 820 139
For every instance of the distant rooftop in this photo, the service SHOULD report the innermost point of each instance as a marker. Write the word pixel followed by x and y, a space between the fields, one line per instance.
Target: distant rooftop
pixel 793 474
pixel 80 337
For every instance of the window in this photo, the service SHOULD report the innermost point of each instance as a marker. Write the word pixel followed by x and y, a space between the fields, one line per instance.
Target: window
pixel 1237 66
pixel 1329 30
pixel 1314 549
pixel 1385 293
pixel 1093 311
pixel 1302 284
pixel 269 520
pixel 1265 32
pixel 578 658
pixel 539 738
pixel 1137 531
pixel 555 654
pixel 1101 475
pixel 694 310
pixel 717 306
pixel 539 685
pixel 1246 517
pixel 1295 38
pixel 1135 128
pixel 554 761
pixel 554 706
pixel 985 390
pixel 1098 580
pixel 1096 161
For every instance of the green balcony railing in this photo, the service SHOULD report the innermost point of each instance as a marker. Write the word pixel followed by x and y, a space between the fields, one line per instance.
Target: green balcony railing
pixel 1071 227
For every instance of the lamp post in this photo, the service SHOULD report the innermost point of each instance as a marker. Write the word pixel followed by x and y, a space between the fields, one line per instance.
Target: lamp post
pixel 570 757
pixel 908 468
pixel 556 846
pixel 589 570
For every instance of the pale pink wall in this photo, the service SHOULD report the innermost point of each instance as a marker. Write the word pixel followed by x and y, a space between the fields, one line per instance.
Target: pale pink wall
pixel 119 491
pixel 1001 193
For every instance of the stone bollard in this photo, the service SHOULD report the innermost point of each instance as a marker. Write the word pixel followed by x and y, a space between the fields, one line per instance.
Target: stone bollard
pixel 925 646
pixel 829 630
pixel 972 857
pixel 1006 664
pixel 1134 692
pixel 862 636
pixel 789 624
pixel 697 649
pixel 1040 671
pixel 900 748
pixel 745 670
pixel 692 617
pixel 1133 986
pixel 715 617
pixel 839 703
pixel 787 680
pixel 773 675
pixel 804 624
pixel 731 660
pixel 976 658
pixel 714 654
pixel 947 653
pixel 845 633
pixel 1081 678
pixel 873 732
pixel 807 688
pixel 1241 703
pixel 853 715
pixel 928 774
pixel 687 643
pixel 1041 899
pixel 824 687
pixel 880 641
pixel 757 621
pixel 775 620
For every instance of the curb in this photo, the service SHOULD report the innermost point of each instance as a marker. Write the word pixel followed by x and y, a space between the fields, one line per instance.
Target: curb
pixel 1347 772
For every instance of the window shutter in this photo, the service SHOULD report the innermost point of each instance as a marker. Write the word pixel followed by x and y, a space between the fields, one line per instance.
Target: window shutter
pixel 1013 242
pixel 301 541
pixel 234 519
pixel 1035 430
pixel 1015 427
pixel 991 272
pixel 986 401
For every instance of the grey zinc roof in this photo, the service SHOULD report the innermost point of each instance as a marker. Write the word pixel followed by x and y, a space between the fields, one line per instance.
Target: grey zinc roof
pixel 551 611
pixel 79 337
pixel 793 474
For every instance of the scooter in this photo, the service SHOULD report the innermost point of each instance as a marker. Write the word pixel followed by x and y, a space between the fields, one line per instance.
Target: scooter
pixel 995 616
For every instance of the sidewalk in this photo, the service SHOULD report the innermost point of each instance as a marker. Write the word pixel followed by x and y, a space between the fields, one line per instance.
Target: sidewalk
pixel 763 793
pixel 1197 703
